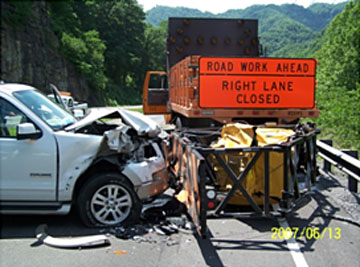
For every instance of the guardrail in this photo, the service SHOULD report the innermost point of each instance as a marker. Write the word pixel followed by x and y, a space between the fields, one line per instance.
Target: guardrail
pixel 346 161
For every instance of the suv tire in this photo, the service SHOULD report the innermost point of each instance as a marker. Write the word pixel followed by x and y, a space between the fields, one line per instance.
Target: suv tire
pixel 108 199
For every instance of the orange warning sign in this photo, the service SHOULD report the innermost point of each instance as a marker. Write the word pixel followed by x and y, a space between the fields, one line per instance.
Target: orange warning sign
pixel 256 83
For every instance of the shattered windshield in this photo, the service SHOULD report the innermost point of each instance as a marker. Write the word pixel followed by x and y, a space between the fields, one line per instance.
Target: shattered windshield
pixel 53 115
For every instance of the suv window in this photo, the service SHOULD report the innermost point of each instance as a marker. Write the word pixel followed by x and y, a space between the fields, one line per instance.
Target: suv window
pixel 53 115
pixel 10 117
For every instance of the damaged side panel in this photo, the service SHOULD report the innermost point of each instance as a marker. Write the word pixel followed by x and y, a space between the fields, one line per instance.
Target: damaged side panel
pixel 76 153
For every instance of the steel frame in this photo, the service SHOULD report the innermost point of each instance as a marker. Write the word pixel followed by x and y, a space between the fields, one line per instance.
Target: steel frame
pixel 188 163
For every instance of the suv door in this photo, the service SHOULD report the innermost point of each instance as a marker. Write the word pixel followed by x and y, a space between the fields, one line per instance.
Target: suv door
pixel 28 168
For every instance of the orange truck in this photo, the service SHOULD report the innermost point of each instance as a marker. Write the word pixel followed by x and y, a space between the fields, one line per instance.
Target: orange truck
pixel 216 75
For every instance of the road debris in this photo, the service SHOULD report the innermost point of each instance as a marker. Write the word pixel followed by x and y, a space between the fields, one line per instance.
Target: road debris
pixel 162 207
pixel 171 242
pixel 75 242
pixel 160 219
pixel 121 252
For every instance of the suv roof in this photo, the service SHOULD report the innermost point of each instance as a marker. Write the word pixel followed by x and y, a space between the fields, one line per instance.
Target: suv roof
pixel 9 88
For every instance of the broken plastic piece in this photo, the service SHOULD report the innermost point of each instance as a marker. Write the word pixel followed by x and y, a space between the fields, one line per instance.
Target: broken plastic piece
pixel 171 242
pixel 130 233
pixel 121 252
pixel 76 242
pixel 158 230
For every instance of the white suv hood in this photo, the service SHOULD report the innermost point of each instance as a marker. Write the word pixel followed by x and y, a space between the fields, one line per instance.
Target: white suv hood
pixel 142 124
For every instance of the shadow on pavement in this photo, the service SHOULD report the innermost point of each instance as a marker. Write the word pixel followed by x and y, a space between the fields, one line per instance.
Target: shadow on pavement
pixel 320 211
pixel 155 214
pixel 24 226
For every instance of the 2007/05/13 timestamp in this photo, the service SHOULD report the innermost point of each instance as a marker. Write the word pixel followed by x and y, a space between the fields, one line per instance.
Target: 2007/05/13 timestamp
pixel 307 232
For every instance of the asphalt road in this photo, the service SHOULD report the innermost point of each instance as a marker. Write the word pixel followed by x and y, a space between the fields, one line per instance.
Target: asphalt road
pixel 230 242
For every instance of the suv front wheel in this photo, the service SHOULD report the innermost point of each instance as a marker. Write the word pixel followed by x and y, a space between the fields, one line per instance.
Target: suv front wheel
pixel 108 200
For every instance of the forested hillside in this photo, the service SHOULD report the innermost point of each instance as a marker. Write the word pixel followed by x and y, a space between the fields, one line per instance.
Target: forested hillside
pixel 316 16
pixel 281 28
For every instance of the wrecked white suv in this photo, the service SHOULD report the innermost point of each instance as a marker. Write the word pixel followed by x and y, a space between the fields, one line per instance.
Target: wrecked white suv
pixel 104 164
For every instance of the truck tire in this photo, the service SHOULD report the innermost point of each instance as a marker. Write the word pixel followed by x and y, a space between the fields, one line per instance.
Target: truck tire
pixel 178 123
pixel 181 122
pixel 108 199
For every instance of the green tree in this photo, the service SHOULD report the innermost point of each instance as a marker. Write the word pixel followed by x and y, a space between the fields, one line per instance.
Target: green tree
pixel 154 56
pixel 121 27
pixel 338 77
pixel 83 48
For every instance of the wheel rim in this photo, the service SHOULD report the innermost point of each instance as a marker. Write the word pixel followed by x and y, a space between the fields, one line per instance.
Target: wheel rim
pixel 111 204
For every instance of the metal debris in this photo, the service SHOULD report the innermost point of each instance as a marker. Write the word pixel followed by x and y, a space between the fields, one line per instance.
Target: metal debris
pixel 171 242
pixel 130 232
pixel 161 219
pixel 158 230
pixel 144 239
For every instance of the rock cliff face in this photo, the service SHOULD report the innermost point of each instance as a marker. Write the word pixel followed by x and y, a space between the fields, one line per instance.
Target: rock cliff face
pixel 29 54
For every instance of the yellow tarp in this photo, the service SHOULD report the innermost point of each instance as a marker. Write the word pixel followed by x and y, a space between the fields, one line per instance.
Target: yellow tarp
pixel 238 135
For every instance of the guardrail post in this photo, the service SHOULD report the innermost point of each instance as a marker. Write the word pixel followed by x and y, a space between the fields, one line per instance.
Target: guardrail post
pixel 327 165
pixel 352 182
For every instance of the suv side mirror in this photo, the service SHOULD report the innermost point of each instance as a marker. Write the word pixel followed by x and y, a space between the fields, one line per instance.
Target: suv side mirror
pixel 27 130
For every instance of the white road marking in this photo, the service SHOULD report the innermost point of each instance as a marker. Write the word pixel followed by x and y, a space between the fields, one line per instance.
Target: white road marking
pixel 293 246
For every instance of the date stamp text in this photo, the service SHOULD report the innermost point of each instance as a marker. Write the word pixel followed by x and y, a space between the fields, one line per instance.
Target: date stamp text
pixel 280 233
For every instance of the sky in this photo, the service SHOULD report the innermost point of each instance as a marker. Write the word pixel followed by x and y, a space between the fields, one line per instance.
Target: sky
pixel 220 6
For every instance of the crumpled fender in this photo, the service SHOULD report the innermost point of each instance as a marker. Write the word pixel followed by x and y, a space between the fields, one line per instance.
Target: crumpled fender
pixel 76 154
